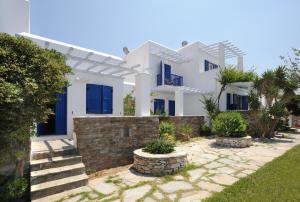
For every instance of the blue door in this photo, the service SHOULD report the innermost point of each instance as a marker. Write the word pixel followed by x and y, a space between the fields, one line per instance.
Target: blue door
pixel 168 75
pixel 171 108
pixel 56 124
pixel 245 102
pixel 61 114
pixel 159 106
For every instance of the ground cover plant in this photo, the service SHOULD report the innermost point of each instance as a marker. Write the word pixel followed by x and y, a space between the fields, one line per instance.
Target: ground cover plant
pixel 278 180
pixel 159 146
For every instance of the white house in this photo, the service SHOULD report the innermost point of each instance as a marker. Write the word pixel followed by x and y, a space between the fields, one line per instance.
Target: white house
pixel 165 80
pixel 179 78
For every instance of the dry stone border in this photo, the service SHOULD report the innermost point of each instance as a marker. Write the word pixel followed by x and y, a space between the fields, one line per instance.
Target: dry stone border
pixel 158 164
pixel 213 169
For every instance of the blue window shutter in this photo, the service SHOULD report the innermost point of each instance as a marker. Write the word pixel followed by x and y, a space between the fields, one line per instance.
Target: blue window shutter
pixel 171 107
pixel 206 65
pixel 167 73
pixel 228 101
pixel 245 102
pixel 93 99
pixel 107 103
pixel 159 106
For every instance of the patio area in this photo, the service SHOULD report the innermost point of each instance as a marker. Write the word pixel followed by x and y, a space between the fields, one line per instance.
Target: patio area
pixel 210 169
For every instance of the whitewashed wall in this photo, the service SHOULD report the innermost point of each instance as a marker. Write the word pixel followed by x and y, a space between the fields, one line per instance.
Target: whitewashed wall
pixel 14 16
pixel 76 105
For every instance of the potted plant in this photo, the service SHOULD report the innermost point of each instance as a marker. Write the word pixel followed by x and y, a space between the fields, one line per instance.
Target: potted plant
pixel 231 130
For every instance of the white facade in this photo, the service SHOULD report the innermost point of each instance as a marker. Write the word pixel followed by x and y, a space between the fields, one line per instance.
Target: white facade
pixel 89 67
pixel 187 62
pixel 138 71
pixel 14 16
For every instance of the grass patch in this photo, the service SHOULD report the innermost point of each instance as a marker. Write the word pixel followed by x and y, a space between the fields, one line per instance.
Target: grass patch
pixel 113 179
pixel 278 180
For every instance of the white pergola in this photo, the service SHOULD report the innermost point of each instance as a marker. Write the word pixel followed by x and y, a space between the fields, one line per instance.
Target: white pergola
pixel 224 50
pixel 86 60
pixel 171 55
pixel 230 49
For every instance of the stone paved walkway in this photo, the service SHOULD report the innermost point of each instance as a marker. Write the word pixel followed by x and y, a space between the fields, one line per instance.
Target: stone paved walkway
pixel 212 169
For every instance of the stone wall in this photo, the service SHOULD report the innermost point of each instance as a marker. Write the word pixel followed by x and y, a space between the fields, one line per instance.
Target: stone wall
pixel 159 164
pixel 107 142
pixel 194 121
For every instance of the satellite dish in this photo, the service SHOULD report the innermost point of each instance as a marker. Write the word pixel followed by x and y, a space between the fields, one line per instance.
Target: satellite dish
pixel 125 50
pixel 184 43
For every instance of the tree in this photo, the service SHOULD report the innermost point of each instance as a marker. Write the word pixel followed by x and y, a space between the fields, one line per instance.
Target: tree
pixel 129 105
pixel 276 87
pixel 29 79
pixel 230 75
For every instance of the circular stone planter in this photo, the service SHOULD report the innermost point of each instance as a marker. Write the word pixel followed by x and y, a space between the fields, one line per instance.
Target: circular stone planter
pixel 158 164
pixel 237 142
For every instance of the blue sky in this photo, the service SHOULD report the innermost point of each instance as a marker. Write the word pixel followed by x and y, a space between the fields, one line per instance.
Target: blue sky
pixel 264 29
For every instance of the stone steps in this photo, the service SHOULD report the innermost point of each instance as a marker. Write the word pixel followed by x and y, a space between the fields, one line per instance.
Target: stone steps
pixel 57 186
pixel 55 170
pixel 54 162
pixel 45 175
pixel 55 153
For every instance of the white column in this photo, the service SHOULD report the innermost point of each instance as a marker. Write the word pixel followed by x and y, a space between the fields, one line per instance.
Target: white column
pixel 240 62
pixel 142 94
pixel 221 55
pixel 179 103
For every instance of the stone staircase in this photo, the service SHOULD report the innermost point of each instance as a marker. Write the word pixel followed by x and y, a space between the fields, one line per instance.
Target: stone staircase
pixel 56 170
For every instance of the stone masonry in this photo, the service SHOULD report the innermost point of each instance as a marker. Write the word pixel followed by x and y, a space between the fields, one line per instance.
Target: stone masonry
pixel 179 121
pixel 107 142
pixel 159 164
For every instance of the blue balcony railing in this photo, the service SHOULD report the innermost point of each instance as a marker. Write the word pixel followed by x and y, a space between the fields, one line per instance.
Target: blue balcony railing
pixel 175 80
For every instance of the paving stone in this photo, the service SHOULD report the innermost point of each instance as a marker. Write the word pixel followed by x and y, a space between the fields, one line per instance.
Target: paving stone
pixel 135 193
pixel 213 165
pixel 178 177
pixel 226 170
pixel 73 199
pixel 212 187
pixel 241 175
pixel 195 196
pixel 158 195
pixel 227 161
pixel 224 179
pixel 172 196
pixel 196 174
pixel 106 188
pixel 175 186
pixel 248 172
pixel 148 199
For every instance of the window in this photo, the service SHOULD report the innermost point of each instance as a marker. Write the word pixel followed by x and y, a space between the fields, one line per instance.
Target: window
pixel 99 99
pixel 209 66
pixel 237 102
pixel 159 106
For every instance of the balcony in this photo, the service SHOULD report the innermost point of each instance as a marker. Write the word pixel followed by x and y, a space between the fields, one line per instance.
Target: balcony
pixel 175 80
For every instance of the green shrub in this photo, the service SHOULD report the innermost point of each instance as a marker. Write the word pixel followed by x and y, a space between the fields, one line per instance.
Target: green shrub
pixel 205 129
pixel 168 137
pixel 186 131
pixel 166 127
pixel 159 146
pixel 230 124
pixel 14 189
